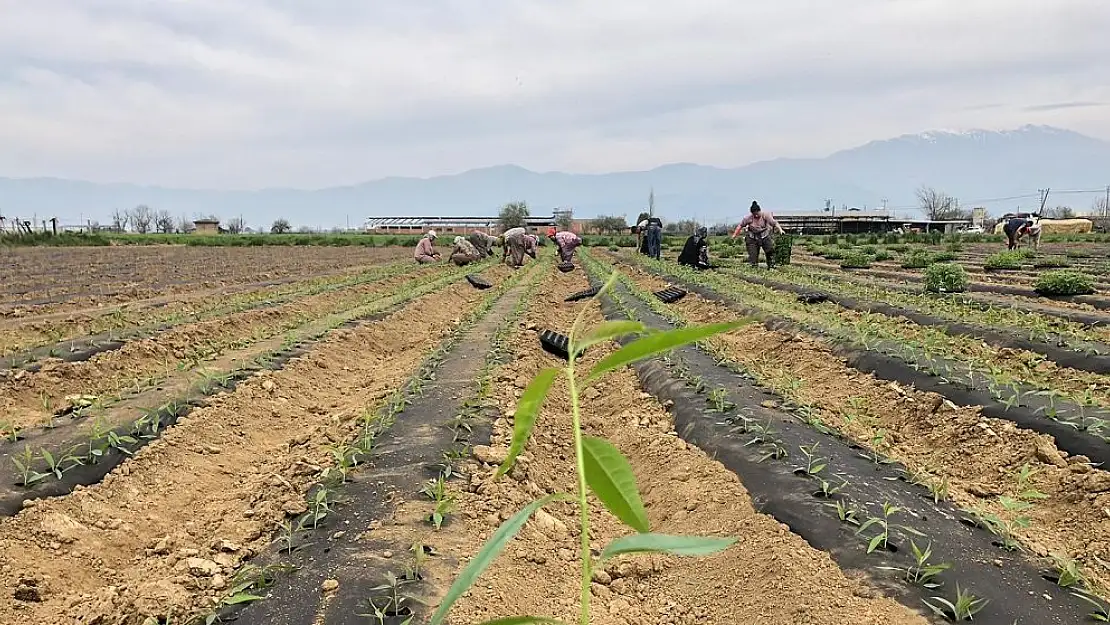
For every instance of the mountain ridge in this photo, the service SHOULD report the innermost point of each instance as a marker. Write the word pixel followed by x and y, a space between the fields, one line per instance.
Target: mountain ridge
pixel 966 164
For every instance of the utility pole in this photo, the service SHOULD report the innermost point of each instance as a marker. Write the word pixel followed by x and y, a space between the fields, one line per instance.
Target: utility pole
pixel 1044 199
pixel 1106 205
pixel 884 204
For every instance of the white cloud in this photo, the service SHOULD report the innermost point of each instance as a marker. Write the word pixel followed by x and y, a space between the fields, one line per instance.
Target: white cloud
pixel 290 93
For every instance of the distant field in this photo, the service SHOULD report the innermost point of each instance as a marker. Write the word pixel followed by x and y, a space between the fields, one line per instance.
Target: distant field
pixel 252 240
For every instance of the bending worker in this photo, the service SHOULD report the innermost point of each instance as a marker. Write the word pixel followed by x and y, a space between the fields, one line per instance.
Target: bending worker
pixel 566 241
pixel 464 253
pixel 483 242
pixel 696 251
pixel 425 249
pixel 758 226
pixel 517 242
pixel 1019 227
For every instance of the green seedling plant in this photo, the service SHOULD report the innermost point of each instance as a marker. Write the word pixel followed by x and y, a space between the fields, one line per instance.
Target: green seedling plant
pixel 1026 491
pixel 814 464
pixel 846 512
pixel 600 467
pixel 436 490
pixel 718 399
pixel 829 490
pixel 387 601
pixel 1101 611
pixel 319 507
pixel 923 572
pixel 1068 574
pixel 964 608
pixel 9 432
pixel 882 539
pixel 24 465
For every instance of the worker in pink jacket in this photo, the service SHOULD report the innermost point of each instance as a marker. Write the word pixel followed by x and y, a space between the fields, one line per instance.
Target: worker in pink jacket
pixel 425 249
pixel 566 241
pixel 759 226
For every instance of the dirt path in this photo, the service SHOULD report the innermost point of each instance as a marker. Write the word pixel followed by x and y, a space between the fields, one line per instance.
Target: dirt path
pixel 164 530
pixel 771 576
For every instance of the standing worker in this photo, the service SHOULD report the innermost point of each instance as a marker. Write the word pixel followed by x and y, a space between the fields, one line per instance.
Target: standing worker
pixel 483 242
pixel 518 242
pixel 464 253
pixel 567 242
pixel 758 226
pixel 425 249
pixel 654 237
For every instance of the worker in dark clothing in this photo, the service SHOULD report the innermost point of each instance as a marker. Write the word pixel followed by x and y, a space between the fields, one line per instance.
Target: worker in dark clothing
pixel 1016 228
pixel 654 237
pixel 696 251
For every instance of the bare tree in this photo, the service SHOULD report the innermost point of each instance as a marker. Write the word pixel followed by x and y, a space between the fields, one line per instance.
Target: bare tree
pixel 236 225
pixel 163 222
pixel 685 226
pixel 184 225
pixel 939 206
pixel 1060 212
pixel 564 221
pixel 281 226
pixel 1102 207
pixel 141 218
pixel 120 219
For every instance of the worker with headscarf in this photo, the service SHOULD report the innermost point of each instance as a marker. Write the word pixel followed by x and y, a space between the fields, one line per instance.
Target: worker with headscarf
pixel 517 242
pixel 759 226
pixel 566 241
pixel 696 251
pixel 464 252
pixel 425 249
pixel 1018 227
pixel 483 242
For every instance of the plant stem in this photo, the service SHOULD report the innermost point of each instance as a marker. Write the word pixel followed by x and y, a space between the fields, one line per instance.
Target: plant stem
pixel 583 509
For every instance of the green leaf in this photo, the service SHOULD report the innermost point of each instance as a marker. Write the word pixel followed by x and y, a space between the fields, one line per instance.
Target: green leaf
pixel 523 620
pixel 606 331
pixel 875 542
pixel 526 412
pixel 658 343
pixel 610 478
pixel 665 543
pixel 241 597
pixel 486 555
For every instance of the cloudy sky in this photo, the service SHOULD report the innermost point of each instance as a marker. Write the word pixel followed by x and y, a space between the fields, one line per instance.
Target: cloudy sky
pixel 309 93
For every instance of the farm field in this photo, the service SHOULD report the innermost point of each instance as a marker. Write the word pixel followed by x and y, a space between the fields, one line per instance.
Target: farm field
pixel 318 443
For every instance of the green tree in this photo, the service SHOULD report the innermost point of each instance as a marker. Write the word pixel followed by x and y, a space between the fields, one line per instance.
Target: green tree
pixel 513 215
pixel 281 226
pixel 606 224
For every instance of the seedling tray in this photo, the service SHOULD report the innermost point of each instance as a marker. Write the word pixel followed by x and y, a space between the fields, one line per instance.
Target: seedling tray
pixel 813 298
pixel 670 295
pixel 566 267
pixel 588 293
pixel 478 282
pixel 555 344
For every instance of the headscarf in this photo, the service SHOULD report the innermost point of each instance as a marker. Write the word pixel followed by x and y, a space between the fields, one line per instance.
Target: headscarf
pixel 431 234
pixel 458 240
pixel 701 232
pixel 755 207
pixel 551 231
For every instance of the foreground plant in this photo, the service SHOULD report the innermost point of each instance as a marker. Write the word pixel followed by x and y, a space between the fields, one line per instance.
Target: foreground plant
pixel 964 608
pixel 599 465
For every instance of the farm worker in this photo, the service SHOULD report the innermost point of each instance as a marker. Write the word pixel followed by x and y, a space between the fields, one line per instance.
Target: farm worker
pixel 567 242
pixel 1017 227
pixel 654 237
pixel 641 236
pixel 696 251
pixel 483 242
pixel 464 253
pixel 758 226
pixel 518 242
pixel 425 251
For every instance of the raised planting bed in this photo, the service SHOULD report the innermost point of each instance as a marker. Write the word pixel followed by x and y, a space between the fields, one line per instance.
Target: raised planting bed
pixel 810 479
pixel 1095 357
pixel 341 576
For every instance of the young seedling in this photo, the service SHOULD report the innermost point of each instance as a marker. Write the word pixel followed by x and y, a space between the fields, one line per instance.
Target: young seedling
pixel 319 507
pixel 1068 573
pixel 24 465
pixel 1026 490
pixel 718 399
pixel 814 464
pixel 436 490
pixel 964 608
pixel 1101 611
pixel 846 512
pixel 829 490
pixel 9 432
pixel 289 537
pixel 923 573
pixel 388 602
pixel 599 465
pixel 882 539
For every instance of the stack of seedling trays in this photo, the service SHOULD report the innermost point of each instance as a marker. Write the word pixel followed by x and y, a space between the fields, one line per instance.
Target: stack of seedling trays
pixel 555 344
pixel 670 295
pixel 588 293
pixel 478 282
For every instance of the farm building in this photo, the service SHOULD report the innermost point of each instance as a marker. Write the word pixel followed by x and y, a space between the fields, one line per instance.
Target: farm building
pixel 206 226
pixel 858 222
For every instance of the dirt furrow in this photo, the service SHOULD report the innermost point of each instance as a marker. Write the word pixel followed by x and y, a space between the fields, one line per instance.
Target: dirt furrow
pixel 164 530
pixel 978 458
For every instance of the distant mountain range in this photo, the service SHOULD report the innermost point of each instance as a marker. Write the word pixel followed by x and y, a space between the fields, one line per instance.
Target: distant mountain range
pixel 974 166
